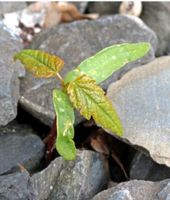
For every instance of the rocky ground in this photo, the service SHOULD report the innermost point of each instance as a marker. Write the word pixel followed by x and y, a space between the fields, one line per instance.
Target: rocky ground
pixel 136 166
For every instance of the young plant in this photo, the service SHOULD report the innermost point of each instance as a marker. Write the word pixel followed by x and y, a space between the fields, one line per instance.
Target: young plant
pixel 79 88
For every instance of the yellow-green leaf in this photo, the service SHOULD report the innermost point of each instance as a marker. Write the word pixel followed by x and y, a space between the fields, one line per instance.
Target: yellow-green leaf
pixel 40 63
pixel 104 63
pixel 65 120
pixel 72 75
pixel 107 61
pixel 91 101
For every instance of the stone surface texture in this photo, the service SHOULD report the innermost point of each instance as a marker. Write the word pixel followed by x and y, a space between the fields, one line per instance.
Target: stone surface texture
pixel 16 186
pixel 103 8
pixel 74 42
pixel 8 7
pixel 144 168
pixel 18 145
pixel 69 180
pixel 156 16
pixel 137 190
pixel 141 99
pixel 9 76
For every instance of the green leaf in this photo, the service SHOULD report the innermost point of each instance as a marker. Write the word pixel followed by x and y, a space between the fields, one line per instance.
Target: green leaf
pixel 40 63
pixel 104 63
pixel 65 130
pixel 91 101
pixel 72 75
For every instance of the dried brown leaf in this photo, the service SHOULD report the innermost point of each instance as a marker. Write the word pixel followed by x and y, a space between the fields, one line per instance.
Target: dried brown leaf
pixel 53 15
pixel 120 164
pixel 56 13
pixel 99 143
pixel 106 144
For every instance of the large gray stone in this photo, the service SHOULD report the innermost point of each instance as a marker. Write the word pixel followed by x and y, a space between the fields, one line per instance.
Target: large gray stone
pixel 8 7
pixel 137 190
pixel 69 180
pixel 9 76
pixel 156 15
pixel 141 99
pixel 16 186
pixel 18 145
pixel 143 167
pixel 103 8
pixel 74 42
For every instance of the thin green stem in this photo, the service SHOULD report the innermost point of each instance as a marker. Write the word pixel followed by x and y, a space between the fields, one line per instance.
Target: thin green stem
pixel 59 77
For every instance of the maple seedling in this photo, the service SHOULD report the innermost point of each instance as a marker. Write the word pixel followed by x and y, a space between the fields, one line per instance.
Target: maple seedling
pixel 80 90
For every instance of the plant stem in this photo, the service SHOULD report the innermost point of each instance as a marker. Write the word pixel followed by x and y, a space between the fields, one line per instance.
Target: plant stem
pixel 50 142
pixel 60 79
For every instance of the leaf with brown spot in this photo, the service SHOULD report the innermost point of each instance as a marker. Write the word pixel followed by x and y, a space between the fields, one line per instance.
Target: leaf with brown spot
pixel 91 101
pixel 40 63
pixel 65 129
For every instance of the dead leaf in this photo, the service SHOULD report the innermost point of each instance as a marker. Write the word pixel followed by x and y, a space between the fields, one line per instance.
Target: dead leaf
pixel 64 12
pixel 106 144
pixel 99 143
pixel 58 12
pixel 22 168
pixel 43 14
pixel 120 164
pixel 53 15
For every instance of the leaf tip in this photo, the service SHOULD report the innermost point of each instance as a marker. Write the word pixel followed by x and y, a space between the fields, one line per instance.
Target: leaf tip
pixel 120 128
pixel 120 132
pixel 145 46
pixel 65 153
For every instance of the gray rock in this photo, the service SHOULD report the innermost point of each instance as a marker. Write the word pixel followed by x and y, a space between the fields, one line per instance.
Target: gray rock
pixel 144 168
pixel 156 16
pixel 18 145
pixel 16 186
pixel 141 99
pixel 8 7
pixel 74 42
pixel 103 8
pixel 69 180
pixel 81 5
pixel 165 192
pixel 137 190
pixel 9 76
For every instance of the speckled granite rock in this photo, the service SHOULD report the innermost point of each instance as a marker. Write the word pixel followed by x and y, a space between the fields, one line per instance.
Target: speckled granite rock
pixel 8 7
pixel 103 8
pixel 156 16
pixel 137 190
pixel 9 76
pixel 19 145
pixel 141 99
pixel 16 186
pixel 69 180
